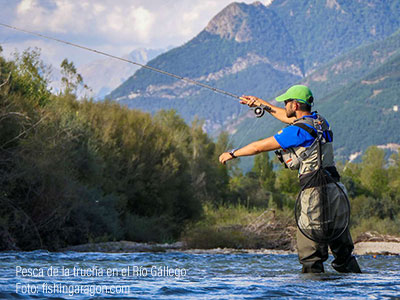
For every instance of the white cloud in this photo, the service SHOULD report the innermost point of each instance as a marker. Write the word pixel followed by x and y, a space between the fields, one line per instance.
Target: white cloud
pixel 25 6
pixel 62 16
pixel 127 24
pixel 115 20
pixel 267 2
pixel 144 20
pixel 98 8
pixel 114 26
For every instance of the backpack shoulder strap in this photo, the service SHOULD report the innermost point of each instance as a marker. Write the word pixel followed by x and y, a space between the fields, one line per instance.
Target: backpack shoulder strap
pixel 310 130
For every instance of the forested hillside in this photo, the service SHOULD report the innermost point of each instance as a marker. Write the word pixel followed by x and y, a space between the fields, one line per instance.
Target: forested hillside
pixel 323 30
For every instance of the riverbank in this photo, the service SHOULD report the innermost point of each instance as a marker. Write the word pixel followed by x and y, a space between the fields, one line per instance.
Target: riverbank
pixel 373 243
pixel 370 243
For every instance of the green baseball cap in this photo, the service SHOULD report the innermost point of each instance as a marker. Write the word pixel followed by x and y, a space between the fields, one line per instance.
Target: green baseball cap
pixel 300 93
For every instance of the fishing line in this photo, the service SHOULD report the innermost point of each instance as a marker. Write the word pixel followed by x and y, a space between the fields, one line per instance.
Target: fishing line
pixel 247 132
pixel 215 90
pixel 191 81
pixel 229 145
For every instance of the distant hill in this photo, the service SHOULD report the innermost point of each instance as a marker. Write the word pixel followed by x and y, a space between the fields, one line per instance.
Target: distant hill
pixel 351 66
pixel 368 111
pixel 323 30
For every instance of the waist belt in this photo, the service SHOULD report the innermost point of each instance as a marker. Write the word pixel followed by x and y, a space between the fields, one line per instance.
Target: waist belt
pixel 332 176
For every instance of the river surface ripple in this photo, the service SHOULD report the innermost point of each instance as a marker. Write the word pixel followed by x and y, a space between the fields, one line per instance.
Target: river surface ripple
pixel 182 275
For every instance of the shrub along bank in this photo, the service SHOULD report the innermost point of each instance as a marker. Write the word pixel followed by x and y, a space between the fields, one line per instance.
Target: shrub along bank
pixel 74 171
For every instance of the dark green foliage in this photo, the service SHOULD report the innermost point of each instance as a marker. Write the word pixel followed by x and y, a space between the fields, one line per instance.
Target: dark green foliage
pixel 247 191
pixel 78 171
pixel 263 170
pixel 373 189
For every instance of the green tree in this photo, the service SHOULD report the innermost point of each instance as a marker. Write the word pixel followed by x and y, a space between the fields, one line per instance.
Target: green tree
pixel 394 175
pixel 373 175
pixel 222 172
pixel 350 176
pixel 287 182
pixel 71 79
pixel 247 191
pixel 264 170
pixel 31 77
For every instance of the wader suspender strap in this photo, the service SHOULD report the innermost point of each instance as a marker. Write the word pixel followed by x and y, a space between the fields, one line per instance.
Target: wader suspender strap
pixel 317 142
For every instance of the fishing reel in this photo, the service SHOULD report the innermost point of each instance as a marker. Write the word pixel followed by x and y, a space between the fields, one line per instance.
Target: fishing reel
pixel 260 110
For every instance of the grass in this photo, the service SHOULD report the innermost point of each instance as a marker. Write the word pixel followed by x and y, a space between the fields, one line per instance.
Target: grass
pixel 382 226
pixel 238 227
pixel 241 228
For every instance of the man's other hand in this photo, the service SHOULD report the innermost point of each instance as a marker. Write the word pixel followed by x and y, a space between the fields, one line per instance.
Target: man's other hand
pixel 224 157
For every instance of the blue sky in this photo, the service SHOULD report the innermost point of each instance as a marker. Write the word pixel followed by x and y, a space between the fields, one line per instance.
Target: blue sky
pixel 114 26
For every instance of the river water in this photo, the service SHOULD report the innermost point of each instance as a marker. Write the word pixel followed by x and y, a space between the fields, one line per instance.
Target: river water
pixel 188 275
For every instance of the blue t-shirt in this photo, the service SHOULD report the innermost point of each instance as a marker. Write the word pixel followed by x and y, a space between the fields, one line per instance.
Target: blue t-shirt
pixel 294 136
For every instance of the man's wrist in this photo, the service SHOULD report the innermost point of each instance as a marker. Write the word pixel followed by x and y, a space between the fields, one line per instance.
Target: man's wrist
pixel 232 153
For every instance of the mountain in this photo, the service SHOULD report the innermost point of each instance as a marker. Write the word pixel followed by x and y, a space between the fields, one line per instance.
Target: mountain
pixel 368 113
pixel 104 75
pixel 352 66
pixel 254 49
pixel 323 30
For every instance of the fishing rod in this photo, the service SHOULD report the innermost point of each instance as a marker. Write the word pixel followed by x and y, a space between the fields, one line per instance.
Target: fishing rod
pixel 123 59
pixel 259 110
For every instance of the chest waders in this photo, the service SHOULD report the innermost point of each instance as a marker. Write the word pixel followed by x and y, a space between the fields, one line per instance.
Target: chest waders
pixel 322 209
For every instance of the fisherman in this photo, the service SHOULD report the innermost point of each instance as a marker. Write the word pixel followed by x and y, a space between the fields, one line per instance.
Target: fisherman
pixel 298 102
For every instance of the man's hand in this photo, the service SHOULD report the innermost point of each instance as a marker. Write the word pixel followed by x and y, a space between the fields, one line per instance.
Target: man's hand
pixel 224 157
pixel 251 101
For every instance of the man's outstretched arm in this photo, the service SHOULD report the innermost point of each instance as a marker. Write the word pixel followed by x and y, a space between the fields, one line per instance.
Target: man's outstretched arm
pixel 277 112
pixel 264 145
